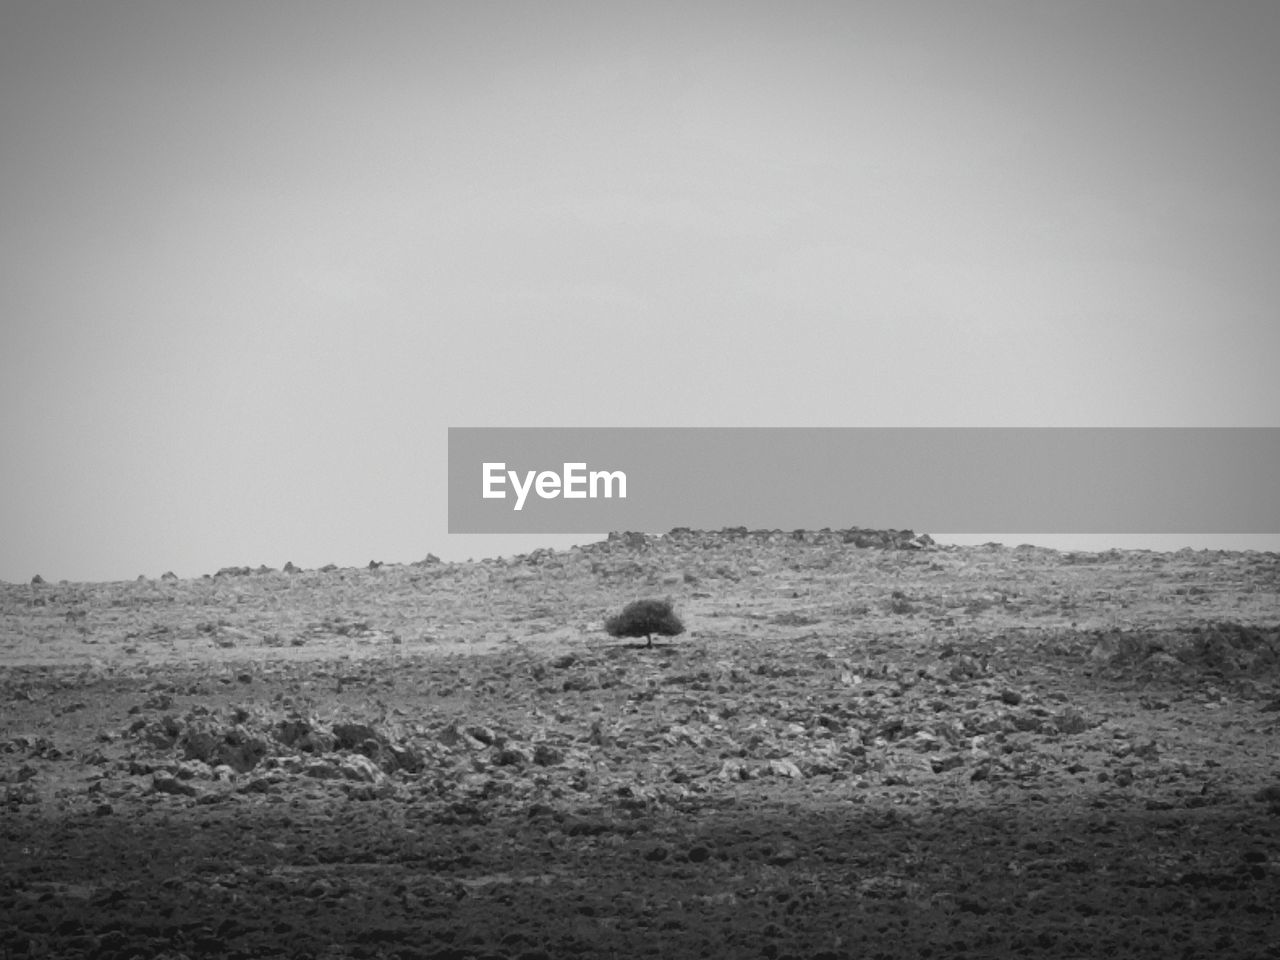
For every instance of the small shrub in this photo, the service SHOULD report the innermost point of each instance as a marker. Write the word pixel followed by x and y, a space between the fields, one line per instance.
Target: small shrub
pixel 644 618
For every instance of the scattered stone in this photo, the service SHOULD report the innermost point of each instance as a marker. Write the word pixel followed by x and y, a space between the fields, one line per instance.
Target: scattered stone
pixel 498 793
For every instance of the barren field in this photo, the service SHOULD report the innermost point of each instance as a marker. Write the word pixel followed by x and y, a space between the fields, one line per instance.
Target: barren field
pixel 865 745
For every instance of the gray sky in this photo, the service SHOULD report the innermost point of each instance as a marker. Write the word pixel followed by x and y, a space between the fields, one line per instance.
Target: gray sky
pixel 256 258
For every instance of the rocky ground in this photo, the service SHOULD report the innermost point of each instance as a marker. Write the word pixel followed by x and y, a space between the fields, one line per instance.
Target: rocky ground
pixel 865 746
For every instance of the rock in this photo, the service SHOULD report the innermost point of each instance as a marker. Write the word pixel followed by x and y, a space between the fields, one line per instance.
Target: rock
pixel 965 668
pixel 1026 723
pixel 302 736
pixel 269 783
pixel 733 769
pixel 403 758
pixel 545 755
pixel 167 783
pixel 1149 750
pixel 783 855
pixel 360 768
pixel 944 764
pixel 1071 721
pixel 354 767
pixel 513 756
pixel 1269 794
pixel 481 734
pixel 370 791
pixel 597 737
pixel 352 736
pixel 785 768
pixel 454 736
pixel 191 770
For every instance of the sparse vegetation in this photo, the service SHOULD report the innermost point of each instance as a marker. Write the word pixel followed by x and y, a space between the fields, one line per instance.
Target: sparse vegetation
pixel 644 618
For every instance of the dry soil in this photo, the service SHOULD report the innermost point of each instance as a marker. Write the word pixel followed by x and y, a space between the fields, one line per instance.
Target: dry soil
pixel 865 745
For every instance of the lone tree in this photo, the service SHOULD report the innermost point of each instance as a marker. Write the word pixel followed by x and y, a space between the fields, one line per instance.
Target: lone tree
pixel 644 618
